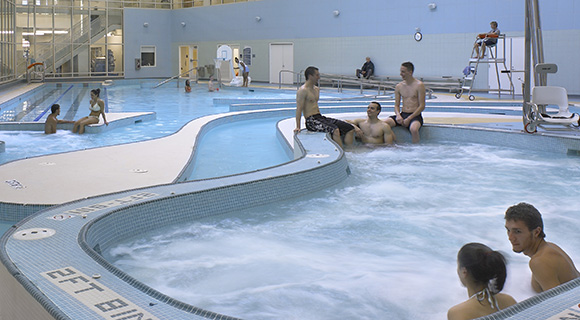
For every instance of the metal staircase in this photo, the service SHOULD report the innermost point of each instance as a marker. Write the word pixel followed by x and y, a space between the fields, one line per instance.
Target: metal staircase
pixel 82 33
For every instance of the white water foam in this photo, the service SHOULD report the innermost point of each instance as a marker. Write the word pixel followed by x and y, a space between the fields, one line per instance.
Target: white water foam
pixel 381 245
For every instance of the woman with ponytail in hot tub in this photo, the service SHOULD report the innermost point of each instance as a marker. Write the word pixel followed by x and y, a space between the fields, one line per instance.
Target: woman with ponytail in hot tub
pixel 483 272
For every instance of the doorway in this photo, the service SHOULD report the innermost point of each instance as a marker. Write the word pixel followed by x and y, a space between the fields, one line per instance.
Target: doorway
pixel 188 61
pixel 281 58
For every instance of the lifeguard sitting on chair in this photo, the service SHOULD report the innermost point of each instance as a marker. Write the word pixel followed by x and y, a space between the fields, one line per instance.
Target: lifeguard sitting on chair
pixel 485 40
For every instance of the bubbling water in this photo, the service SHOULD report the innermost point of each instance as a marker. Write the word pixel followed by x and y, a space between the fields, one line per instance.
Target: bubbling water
pixel 380 245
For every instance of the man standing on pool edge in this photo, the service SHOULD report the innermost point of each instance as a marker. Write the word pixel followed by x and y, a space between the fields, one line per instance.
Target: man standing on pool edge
pixel 550 265
pixel 412 91
pixel 307 104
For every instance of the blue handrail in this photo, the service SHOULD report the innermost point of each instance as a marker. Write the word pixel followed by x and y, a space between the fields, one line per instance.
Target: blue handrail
pixel 50 105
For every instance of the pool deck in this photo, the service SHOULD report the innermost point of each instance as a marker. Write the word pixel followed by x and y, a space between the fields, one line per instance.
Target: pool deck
pixel 114 120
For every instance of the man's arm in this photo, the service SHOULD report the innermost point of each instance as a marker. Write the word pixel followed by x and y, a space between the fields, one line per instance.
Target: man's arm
pixel 421 95
pixel 421 98
pixel 355 124
pixel 388 134
pixel 355 121
pixel 397 101
pixel 300 98
pixel 544 275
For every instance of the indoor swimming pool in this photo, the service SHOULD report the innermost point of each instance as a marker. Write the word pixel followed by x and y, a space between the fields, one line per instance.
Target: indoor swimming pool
pixel 380 245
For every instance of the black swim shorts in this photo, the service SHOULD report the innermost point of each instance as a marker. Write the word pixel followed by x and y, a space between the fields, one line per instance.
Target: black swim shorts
pixel 320 123
pixel 405 115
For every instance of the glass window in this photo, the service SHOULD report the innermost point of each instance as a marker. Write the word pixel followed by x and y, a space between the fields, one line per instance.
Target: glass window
pixel 148 56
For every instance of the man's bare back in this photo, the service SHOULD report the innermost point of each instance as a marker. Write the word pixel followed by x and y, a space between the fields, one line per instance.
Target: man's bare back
pixel 550 267
pixel 50 125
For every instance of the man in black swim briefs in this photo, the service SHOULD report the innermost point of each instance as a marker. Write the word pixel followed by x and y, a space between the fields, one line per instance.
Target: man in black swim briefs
pixel 307 104
pixel 412 92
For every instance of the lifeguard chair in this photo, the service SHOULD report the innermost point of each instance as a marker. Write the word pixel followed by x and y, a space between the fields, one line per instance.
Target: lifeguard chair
pixel 496 58
pixel 35 72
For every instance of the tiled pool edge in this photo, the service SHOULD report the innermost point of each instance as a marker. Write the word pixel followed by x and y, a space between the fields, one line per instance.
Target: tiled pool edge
pixel 334 169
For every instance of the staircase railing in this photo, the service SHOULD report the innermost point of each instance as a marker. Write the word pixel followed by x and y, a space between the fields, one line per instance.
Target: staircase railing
pixel 80 34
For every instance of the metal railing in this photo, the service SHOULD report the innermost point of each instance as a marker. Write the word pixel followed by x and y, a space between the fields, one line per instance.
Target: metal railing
pixel 341 80
pixel 384 84
pixel 298 78
pixel 176 76
pixel 79 33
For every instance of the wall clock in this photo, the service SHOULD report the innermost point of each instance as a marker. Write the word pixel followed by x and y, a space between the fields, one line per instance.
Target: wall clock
pixel 418 36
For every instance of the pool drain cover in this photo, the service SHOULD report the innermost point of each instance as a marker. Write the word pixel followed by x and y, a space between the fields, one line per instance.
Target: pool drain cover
pixel 317 155
pixel 33 234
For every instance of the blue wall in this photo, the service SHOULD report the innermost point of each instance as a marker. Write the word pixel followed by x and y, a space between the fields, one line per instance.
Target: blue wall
pixel 382 29
pixel 314 19
pixel 157 34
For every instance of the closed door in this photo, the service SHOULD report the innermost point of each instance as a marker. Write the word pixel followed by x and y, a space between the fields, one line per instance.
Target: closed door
pixel 183 60
pixel 188 61
pixel 281 58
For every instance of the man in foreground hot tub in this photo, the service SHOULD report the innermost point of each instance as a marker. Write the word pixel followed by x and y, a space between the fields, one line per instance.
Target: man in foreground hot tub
pixel 550 265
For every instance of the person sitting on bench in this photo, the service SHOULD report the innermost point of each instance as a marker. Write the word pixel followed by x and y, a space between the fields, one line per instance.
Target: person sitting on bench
pixel 367 70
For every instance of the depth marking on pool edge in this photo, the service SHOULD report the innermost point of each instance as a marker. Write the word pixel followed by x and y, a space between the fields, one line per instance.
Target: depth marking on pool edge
pixel 571 313
pixel 112 203
pixel 97 297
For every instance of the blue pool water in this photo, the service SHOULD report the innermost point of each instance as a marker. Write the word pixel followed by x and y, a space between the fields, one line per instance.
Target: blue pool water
pixel 238 147
pixel 381 245
pixel 174 108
